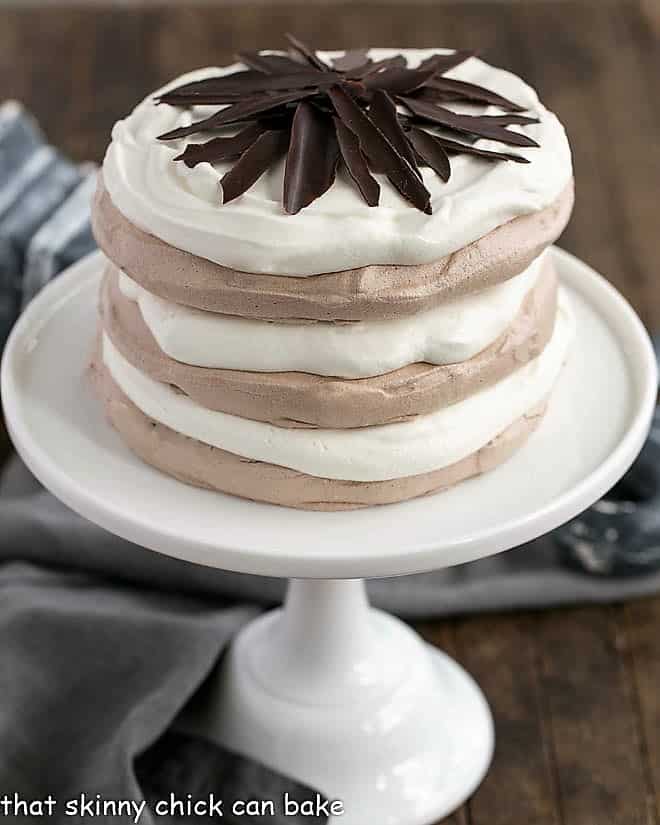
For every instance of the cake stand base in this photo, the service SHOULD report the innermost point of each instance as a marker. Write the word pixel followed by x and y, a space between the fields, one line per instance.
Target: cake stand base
pixel 351 702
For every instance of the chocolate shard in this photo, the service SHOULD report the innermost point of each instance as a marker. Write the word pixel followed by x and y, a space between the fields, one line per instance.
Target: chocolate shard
pixel 311 162
pixel 201 93
pixel 399 81
pixel 357 89
pixel 445 62
pixel 356 164
pixel 383 113
pixel 271 63
pixel 220 148
pixel 352 60
pixel 510 120
pixel 224 86
pixel 200 99
pixel 432 152
pixel 396 61
pixel 308 54
pixel 237 112
pixel 461 90
pixel 435 96
pixel 487 154
pixel 253 163
pixel 302 79
pixel 379 151
pixel 479 125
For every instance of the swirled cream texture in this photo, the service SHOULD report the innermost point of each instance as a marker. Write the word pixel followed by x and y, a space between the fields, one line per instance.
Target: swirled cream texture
pixel 455 331
pixel 421 445
pixel 182 206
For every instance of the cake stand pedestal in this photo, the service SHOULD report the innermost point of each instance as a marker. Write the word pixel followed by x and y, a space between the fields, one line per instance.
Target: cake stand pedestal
pixel 327 690
pixel 350 700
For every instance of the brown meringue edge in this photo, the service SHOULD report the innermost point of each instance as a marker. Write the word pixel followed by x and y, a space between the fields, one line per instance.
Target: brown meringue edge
pixel 295 399
pixel 202 465
pixel 379 291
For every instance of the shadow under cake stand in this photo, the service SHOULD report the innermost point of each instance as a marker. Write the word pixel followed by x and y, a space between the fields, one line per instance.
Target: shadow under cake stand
pixel 327 690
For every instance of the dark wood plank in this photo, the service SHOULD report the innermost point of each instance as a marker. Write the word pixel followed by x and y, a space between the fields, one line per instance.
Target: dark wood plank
pixel 520 787
pixel 442 635
pixel 642 620
pixel 593 724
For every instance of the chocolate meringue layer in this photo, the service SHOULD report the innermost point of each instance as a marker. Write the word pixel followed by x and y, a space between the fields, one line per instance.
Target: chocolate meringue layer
pixel 379 291
pixel 294 399
pixel 204 466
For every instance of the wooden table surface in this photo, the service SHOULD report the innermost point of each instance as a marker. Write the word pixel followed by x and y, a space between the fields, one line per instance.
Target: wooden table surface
pixel 574 691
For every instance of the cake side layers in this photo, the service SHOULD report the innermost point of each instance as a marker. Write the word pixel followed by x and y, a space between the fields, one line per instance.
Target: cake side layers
pixel 300 400
pixel 422 444
pixel 375 292
pixel 452 332
pixel 194 462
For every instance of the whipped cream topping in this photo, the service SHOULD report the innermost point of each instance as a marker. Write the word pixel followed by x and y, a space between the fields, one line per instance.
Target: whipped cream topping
pixel 419 445
pixel 339 231
pixel 455 331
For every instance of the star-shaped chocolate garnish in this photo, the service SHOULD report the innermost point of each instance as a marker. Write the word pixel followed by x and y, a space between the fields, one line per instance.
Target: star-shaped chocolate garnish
pixel 350 111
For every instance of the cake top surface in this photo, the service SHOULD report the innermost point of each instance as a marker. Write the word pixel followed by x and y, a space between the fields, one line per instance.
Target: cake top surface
pixel 339 229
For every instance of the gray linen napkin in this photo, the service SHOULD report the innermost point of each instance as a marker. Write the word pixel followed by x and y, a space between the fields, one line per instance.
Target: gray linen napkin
pixel 104 643
pixel 34 181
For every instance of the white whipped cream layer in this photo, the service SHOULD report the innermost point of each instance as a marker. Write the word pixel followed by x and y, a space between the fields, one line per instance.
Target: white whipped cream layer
pixel 448 334
pixel 419 445
pixel 182 206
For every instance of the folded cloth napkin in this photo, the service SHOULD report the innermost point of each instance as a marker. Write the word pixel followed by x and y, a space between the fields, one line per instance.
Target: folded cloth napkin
pixel 35 180
pixel 105 643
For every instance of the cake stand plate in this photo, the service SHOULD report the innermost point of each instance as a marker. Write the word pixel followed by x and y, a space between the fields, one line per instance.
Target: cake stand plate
pixel 327 690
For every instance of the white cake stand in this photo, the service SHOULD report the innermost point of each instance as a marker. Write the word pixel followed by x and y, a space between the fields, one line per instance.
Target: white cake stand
pixel 327 690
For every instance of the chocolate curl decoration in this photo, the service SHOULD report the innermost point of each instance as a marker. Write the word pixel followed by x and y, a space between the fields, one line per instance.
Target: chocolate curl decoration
pixel 398 61
pixel 379 151
pixel 399 81
pixel 273 64
pixel 445 62
pixel 370 116
pixel 383 113
pixel 306 53
pixel 431 152
pixel 446 89
pixel 246 110
pixel 220 148
pixel 486 126
pixel 356 163
pixel 454 147
pixel 252 164
pixel 311 162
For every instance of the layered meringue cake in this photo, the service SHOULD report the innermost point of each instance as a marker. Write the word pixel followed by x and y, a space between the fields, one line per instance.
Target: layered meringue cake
pixel 327 281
